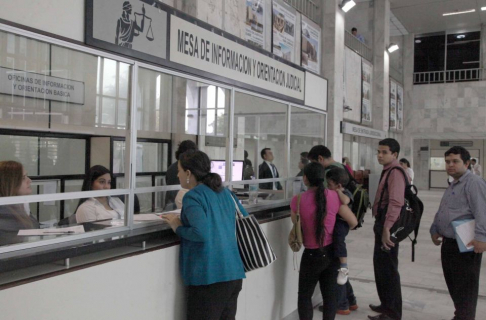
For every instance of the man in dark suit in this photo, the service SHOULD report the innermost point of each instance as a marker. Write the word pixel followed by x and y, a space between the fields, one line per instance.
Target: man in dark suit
pixel 267 170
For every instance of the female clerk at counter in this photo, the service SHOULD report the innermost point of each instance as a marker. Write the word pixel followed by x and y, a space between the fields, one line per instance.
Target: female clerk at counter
pixel 15 182
pixel 99 208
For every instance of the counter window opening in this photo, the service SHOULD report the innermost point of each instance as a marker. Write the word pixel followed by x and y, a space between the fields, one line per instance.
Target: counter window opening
pixel 121 101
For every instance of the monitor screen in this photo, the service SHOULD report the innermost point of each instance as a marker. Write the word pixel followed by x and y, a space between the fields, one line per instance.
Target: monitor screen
pixel 219 167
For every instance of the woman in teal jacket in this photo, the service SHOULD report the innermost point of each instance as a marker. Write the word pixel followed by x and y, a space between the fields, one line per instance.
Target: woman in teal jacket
pixel 209 259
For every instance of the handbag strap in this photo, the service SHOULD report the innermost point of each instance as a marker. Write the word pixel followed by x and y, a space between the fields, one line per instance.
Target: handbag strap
pixel 298 205
pixel 238 213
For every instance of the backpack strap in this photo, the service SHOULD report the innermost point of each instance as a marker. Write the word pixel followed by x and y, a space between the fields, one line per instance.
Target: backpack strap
pixel 385 187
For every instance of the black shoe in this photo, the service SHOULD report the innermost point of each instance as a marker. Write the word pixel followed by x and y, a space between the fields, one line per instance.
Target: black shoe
pixel 321 308
pixel 380 317
pixel 377 308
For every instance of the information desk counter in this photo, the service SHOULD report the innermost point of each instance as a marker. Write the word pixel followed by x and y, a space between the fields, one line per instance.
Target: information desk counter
pixel 16 269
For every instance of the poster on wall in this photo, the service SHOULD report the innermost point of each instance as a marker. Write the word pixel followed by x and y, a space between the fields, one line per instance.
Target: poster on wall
pixel 284 19
pixel 393 105
pixel 352 85
pixel 135 28
pixel 399 107
pixel 366 90
pixel 255 23
pixel 311 45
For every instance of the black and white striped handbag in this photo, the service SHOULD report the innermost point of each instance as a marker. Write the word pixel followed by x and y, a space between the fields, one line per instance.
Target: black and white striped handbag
pixel 255 250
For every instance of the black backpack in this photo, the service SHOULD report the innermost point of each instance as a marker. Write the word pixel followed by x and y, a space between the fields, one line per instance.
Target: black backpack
pixel 361 199
pixel 410 214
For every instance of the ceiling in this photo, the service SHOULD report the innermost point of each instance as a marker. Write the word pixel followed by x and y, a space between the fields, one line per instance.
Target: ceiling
pixel 425 16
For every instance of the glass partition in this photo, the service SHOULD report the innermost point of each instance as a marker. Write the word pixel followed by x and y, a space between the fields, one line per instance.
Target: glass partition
pixel 58 109
pixel 58 139
pixel 260 131
pixel 180 109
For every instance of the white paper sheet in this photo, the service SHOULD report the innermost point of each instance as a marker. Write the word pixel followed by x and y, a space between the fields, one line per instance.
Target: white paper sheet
pixel 51 231
pixel 146 217
pixel 466 232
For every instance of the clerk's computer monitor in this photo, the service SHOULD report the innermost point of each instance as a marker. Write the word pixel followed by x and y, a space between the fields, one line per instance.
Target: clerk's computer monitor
pixel 219 167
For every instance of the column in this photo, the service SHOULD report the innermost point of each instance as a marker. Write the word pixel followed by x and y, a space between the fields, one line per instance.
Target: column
pixel 408 128
pixel 381 75
pixel 332 68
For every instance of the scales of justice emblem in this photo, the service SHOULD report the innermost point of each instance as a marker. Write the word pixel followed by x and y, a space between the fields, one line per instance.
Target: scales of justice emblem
pixel 127 29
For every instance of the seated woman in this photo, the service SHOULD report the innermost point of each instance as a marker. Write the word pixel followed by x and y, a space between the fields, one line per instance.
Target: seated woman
pixel 99 208
pixel 15 182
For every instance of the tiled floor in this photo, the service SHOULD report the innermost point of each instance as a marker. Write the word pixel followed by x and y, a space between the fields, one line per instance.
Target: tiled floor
pixel 424 291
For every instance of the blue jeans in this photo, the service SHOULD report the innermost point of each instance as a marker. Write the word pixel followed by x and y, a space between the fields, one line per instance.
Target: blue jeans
pixel 346 297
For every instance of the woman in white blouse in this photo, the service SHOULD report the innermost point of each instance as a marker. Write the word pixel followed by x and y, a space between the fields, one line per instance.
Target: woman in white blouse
pixel 406 165
pixel 99 208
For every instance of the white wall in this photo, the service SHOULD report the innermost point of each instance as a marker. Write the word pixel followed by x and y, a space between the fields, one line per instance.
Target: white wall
pixel 61 17
pixel 149 286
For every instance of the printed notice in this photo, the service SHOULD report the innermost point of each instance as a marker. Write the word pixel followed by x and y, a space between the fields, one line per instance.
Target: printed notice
pixel 311 45
pixel 255 24
pixel 283 31
pixel 366 74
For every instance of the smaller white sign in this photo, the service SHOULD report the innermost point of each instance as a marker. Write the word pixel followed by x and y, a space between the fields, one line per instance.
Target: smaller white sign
pixel 361 131
pixel 33 85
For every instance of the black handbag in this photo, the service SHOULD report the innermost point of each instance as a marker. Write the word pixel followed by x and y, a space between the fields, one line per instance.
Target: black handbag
pixel 255 250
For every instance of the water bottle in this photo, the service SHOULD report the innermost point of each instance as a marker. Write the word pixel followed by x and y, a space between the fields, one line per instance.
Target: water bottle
pixel 253 194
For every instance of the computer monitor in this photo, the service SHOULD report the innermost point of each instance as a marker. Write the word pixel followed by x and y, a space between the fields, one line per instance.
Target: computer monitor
pixel 219 167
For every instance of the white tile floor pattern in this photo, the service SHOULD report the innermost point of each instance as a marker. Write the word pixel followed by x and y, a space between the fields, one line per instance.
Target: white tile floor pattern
pixel 424 292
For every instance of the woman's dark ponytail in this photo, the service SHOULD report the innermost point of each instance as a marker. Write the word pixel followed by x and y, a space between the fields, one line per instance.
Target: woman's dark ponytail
pixel 200 166
pixel 213 180
pixel 315 173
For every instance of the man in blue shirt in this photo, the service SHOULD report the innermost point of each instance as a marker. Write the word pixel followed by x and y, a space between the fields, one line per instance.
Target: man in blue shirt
pixel 464 199
pixel 354 31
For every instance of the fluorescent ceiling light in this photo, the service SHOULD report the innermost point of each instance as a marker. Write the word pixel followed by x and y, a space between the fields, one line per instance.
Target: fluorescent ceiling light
pixel 458 12
pixel 347 5
pixel 461 36
pixel 392 47
pixel 483 8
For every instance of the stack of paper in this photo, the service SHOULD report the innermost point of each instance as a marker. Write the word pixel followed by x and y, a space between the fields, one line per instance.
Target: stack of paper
pixel 465 233
pixel 146 217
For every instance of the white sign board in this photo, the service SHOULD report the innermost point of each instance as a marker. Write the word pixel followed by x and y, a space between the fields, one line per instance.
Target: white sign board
pixel 204 50
pixel 33 85
pixel 315 91
pixel 361 131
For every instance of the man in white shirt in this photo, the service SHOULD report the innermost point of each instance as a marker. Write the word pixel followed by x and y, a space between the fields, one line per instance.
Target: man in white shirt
pixel 476 168
pixel 267 170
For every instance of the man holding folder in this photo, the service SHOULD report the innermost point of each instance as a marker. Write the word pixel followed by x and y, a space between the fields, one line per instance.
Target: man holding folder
pixel 464 199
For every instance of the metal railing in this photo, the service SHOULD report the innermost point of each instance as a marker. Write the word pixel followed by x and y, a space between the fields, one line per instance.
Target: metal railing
pixel 359 47
pixel 448 76
pixel 308 8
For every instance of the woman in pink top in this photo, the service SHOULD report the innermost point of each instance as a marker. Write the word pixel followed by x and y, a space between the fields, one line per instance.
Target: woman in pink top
pixel 318 209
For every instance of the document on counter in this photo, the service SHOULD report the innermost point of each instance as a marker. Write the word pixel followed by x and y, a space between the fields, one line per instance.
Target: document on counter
pixel 146 217
pixel 177 212
pixel 465 232
pixel 51 231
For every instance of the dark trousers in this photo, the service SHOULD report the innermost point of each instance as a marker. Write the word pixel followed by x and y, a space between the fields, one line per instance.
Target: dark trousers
pixel 315 267
pixel 461 273
pixel 217 301
pixel 346 297
pixel 387 279
pixel 341 230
